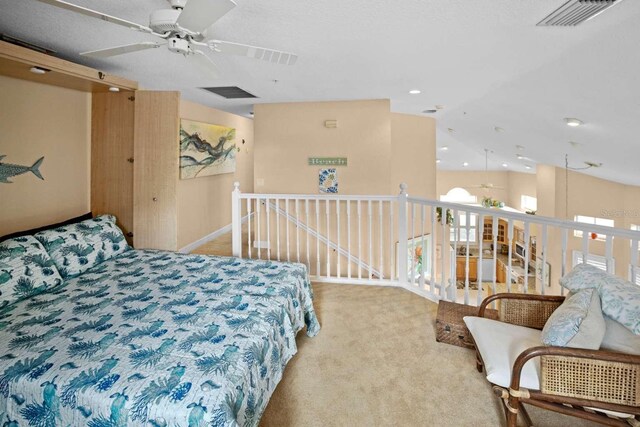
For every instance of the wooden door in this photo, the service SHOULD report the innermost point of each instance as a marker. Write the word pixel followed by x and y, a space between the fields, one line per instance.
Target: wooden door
pixel 156 154
pixel 473 269
pixel 460 268
pixel 112 128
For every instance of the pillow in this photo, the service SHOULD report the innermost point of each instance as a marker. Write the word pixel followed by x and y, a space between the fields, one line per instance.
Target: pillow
pixel 26 270
pixel 620 298
pixel 619 338
pixel 33 231
pixel 78 247
pixel 577 323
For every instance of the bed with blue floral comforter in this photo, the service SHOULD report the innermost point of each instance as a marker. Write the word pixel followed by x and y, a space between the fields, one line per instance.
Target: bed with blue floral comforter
pixel 154 338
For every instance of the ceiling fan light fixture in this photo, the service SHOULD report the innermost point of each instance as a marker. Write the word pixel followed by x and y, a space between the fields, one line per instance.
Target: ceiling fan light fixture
pixel 573 122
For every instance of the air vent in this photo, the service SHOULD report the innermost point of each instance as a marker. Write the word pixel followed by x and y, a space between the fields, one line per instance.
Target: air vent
pixel 230 92
pixel 575 12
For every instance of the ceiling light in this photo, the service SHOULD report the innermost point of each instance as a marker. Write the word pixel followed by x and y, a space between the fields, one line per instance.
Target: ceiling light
pixel 114 89
pixel 504 165
pixel 38 70
pixel 444 148
pixel 573 122
pixel 437 160
pixel 414 91
pixel 519 157
pixel 465 164
pixel 527 167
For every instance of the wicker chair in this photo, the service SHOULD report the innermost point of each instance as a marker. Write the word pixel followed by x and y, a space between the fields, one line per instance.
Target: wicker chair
pixel 573 381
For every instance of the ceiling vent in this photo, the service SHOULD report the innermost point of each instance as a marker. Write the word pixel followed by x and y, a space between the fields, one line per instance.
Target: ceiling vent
pixel 230 92
pixel 575 12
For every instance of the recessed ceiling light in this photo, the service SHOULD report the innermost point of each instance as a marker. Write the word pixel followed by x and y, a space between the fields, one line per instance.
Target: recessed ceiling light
pixel 573 122
pixel 519 157
pixel 38 70
pixel 437 160
pixel 504 165
pixel 414 91
pixel 444 148
pixel 114 89
pixel 527 167
pixel 465 164
pixel 430 111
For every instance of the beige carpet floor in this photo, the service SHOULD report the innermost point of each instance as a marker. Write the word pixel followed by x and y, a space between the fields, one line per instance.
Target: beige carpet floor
pixel 376 363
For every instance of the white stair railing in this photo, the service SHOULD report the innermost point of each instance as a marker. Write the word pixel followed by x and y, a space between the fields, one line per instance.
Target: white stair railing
pixel 437 249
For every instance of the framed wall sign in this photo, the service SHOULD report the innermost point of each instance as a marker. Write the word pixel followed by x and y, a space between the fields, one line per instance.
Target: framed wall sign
pixel 327 161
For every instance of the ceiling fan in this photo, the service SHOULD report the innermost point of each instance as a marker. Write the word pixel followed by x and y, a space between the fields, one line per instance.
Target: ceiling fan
pixel 487 185
pixel 183 29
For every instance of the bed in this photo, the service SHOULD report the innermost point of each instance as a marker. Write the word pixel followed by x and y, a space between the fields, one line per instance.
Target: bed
pixel 153 338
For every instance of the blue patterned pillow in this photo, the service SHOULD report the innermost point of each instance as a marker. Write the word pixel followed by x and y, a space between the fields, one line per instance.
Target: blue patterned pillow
pixel 77 247
pixel 620 298
pixel 25 270
pixel 577 323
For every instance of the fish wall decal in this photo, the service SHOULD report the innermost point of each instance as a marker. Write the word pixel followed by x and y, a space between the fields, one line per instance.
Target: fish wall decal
pixel 8 170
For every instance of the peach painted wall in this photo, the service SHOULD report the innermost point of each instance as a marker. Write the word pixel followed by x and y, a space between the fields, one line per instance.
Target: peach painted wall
pixel 40 120
pixel 204 204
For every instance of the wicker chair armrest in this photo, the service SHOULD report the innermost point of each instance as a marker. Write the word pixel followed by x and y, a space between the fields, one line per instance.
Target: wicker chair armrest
pixel 597 378
pixel 528 310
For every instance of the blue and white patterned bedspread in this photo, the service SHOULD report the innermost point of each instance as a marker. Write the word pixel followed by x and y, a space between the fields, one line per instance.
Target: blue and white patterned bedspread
pixel 154 338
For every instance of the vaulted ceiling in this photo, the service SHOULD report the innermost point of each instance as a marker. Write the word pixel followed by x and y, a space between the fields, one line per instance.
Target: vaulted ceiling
pixel 485 61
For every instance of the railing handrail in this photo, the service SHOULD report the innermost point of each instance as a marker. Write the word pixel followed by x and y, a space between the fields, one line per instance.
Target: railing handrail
pixel 544 220
pixel 283 196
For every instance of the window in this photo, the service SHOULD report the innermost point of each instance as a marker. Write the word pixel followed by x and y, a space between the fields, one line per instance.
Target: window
pixel 592 220
pixel 459 195
pixel 459 233
pixel 594 260
pixel 528 203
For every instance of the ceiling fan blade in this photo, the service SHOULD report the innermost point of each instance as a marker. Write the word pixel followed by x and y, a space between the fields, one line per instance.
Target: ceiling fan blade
pixel 206 64
pixel 270 55
pixel 120 50
pixel 198 15
pixel 94 14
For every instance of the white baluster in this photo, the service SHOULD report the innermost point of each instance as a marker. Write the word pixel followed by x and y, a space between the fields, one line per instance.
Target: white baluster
pixel 258 221
pixel 479 272
pixel 380 246
pixel 319 271
pixel 433 282
pixel 392 251
pixel 297 207
pixel 634 261
pixel 545 242
pixel 466 265
pixel 267 208
pixel 412 251
pixel 565 240
pixel 277 203
pixel 494 231
pixel 359 239
pixel 338 239
pixel 509 261
pixel 456 236
pixel 307 239
pixel 527 237
pixel 286 223
pixel 348 239
pixel 609 253
pixel 443 287
pixel 370 242
pixel 327 206
pixel 249 202
pixel 424 261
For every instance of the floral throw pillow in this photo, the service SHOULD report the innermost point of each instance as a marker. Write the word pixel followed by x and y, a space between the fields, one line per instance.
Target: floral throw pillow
pixel 620 298
pixel 26 270
pixel 577 323
pixel 78 247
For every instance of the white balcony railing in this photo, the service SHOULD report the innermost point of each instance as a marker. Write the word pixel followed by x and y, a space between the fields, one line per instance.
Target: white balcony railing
pixel 407 242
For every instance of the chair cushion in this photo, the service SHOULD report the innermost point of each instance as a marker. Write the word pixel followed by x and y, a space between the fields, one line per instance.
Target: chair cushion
pixel 619 338
pixel 25 270
pixel 77 247
pixel 499 345
pixel 577 323
pixel 620 298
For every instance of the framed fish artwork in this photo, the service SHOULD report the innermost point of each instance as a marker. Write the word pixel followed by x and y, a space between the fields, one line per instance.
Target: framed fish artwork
pixel 9 170
pixel 206 149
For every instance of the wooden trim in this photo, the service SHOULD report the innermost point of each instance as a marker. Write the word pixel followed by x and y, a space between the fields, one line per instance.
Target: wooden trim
pixel 15 61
